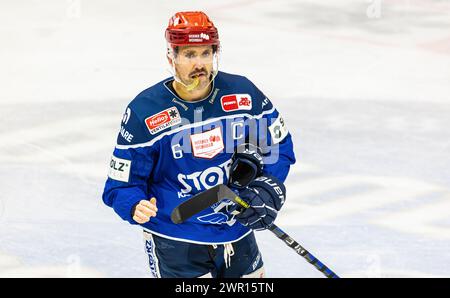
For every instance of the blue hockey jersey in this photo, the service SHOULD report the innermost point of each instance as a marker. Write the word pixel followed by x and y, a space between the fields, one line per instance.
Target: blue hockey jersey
pixel 171 149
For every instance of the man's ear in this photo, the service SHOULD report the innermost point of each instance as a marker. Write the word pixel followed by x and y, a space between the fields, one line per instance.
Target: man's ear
pixel 169 59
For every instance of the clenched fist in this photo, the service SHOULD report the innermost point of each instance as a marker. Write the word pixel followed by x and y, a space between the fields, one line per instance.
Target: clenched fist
pixel 144 210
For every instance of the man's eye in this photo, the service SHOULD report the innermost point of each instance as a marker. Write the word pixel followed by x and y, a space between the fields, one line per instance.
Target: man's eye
pixel 206 54
pixel 190 55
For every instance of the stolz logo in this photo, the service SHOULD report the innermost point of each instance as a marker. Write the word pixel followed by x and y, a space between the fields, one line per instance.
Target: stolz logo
pixel 119 169
pixel 199 181
pixel 236 102
pixel 163 120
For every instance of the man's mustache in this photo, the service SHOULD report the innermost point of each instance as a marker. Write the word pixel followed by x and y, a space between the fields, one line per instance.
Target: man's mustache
pixel 198 72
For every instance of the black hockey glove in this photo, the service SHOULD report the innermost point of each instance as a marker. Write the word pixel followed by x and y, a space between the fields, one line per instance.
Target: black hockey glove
pixel 247 165
pixel 266 196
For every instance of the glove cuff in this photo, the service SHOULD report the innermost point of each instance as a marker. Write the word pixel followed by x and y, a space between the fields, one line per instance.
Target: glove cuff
pixel 247 165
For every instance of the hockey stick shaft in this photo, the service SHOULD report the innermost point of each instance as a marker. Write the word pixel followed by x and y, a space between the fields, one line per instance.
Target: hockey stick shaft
pixel 302 252
pixel 294 245
pixel 220 192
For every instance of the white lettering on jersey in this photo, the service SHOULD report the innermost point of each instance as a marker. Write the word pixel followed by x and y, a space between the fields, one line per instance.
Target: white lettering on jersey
pixel 205 179
pixel 177 151
pixel 125 134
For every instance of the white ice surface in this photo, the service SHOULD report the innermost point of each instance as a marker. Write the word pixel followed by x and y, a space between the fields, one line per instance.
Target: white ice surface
pixel 366 98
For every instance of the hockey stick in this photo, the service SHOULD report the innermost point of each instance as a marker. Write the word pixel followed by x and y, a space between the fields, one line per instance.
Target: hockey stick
pixel 220 192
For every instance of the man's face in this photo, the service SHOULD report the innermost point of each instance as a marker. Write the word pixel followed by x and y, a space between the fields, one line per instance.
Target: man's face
pixel 192 62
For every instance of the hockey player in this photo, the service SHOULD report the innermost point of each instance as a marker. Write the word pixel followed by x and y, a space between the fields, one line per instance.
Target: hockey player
pixel 181 137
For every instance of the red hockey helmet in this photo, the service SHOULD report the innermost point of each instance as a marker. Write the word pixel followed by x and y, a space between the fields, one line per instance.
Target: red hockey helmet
pixel 191 28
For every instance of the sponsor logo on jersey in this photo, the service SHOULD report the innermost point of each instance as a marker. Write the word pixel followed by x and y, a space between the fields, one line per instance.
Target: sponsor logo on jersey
pixel 213 97
pixel 236 102
pixel 152 259
pixel 256 262
pixel 119 169
pixel 207 144
pixel 221 214
pixel 215 218
pixel 278 130
pixel 126 116
pixel 163 120
pixel 201 180
pixel 125 134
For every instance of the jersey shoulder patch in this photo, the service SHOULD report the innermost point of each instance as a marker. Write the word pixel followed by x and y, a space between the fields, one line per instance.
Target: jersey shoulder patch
pixel 149 114
pixel 278 130
pixel 240 95
pixel 131 129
